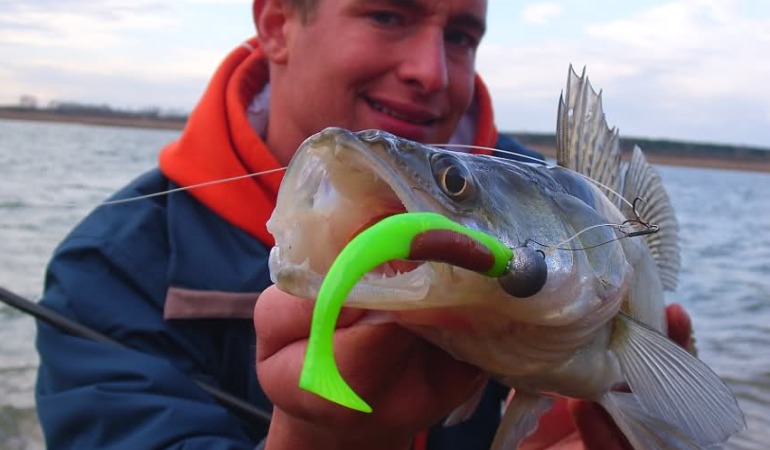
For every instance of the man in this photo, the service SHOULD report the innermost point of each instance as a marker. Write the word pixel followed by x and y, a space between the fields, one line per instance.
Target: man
pixel 175 278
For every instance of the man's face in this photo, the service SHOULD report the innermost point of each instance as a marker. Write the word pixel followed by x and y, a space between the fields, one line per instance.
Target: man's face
pixel 404 66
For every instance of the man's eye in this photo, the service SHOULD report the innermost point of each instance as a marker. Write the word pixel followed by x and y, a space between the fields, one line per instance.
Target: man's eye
pixel 386 17
pixel 461 39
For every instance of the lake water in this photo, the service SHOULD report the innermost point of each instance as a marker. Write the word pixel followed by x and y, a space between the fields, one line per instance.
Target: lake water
pixel 51 175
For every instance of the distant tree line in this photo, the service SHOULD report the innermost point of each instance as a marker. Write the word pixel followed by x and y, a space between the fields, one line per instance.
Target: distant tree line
pixel 27 102
pixel 661 146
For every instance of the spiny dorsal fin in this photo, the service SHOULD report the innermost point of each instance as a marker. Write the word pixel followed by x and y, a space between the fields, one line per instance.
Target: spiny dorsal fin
pixel 584 141
pixel 587 145
pixel 642 181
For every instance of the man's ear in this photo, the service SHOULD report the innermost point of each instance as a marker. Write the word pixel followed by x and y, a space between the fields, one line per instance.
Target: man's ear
pixel 271 18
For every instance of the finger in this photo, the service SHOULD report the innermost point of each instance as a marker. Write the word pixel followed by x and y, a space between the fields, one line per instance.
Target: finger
pixel 398 373
pixel 428 384
pixel 595 426
pixel 680 327
pixel 281 318
pixel 279 372
pixel 555 430
pixel 282 324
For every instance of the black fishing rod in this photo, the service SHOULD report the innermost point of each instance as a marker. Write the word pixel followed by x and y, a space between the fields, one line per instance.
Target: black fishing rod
pixel 68 325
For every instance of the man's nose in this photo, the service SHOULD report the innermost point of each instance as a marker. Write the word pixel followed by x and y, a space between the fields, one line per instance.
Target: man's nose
pixel 424 62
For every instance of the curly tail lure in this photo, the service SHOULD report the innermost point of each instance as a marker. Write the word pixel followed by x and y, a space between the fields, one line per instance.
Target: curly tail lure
pixel 420 236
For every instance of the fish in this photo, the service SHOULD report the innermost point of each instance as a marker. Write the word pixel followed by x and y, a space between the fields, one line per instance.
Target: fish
pixel 604 227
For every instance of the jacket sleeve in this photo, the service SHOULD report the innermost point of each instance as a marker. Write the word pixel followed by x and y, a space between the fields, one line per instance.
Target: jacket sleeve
pixel 97 395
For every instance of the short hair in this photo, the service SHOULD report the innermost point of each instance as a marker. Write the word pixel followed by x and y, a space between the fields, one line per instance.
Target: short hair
pixel 306 8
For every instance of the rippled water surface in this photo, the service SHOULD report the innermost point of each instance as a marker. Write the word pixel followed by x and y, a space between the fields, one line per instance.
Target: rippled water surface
pixel 53 174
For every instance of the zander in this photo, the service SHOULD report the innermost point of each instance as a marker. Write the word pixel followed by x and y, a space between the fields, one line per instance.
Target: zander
pixel 594 330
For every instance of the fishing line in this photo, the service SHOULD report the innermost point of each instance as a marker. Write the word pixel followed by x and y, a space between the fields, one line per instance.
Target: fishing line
pixel 621 227
pixel 531 159
pixel 627 228
pixel 192 186
pixel 492 149
pixel 648 228
pixel 506 152
pixel 238 406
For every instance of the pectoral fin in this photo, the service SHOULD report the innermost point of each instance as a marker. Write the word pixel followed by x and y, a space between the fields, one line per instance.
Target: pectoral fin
pixel 466 410
pixel 520 419
pixel 642 429
pixel 673 385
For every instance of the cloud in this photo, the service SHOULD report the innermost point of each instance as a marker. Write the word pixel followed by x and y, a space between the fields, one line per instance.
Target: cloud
pixel 123 52
pixel 685 69
pixel 540 13
pixel 78 24
pixel 689 69
pixel 702 48
pixel 114 79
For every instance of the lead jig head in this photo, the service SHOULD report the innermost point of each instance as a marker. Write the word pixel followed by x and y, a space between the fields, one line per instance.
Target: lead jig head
pixel 526 274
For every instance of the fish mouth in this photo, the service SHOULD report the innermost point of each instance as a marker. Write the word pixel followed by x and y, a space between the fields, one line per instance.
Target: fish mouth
pixel 393 268
pixel 337 186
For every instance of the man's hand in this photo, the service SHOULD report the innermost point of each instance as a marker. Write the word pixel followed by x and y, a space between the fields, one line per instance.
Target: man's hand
pixel 577 425
pixel 409 383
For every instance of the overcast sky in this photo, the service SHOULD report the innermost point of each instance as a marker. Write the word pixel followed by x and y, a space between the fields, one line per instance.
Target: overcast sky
pixel 695 70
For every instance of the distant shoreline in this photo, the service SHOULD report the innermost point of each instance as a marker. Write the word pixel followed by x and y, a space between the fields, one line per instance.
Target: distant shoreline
pixel 702 161
pixel 37 115
pixel 755 162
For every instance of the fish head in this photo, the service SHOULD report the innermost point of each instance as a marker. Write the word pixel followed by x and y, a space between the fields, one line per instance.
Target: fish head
pixel 341 182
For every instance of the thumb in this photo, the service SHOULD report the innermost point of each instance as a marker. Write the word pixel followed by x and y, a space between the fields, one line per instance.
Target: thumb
pixel 595 426
pixel 680 327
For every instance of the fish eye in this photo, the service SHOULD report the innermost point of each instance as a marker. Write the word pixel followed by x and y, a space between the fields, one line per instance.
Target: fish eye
pixel 453 177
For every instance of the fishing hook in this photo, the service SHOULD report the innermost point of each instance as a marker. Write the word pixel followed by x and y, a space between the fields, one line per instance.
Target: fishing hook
pixel 629 228
pixel 649 228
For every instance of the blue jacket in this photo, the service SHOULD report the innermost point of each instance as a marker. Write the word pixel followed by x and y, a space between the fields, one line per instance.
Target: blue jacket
pixel 175 282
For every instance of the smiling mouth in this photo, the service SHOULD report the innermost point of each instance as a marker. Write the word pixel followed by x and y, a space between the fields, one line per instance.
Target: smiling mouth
pixel 395 114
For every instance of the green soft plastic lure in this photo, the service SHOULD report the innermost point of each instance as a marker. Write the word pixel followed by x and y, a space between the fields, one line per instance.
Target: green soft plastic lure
pixel 408 236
